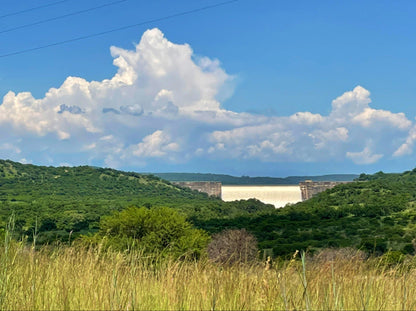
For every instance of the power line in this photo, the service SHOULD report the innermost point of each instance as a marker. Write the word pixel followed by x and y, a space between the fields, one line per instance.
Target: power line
pixel 33 9
pixel 62 16
pixel 120 28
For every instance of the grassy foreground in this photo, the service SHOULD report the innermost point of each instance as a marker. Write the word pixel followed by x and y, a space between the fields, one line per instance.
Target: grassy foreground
pixel 71 278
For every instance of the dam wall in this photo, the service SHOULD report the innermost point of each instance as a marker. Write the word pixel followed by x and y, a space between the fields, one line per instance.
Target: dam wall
pixel 309 188
pixel 278 195
pixel 212 188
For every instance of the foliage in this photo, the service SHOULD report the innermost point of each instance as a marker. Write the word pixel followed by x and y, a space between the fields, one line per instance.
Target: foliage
pixel 392 258
pixel 62 203
pixel 375 214
pixel 157 230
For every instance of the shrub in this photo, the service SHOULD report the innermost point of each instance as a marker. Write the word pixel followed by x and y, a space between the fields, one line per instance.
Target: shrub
pixel 392 258
pixel 155 230
pixel 233 246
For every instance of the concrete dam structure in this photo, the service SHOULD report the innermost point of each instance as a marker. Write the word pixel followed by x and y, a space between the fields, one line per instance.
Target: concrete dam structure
pixel 278 195
pixel 212 188
pixel 309 188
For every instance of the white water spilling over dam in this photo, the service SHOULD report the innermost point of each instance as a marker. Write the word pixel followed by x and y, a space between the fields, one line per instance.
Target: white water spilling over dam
pixel 279 196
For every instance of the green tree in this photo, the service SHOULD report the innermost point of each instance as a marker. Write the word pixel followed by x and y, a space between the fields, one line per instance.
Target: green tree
pixel 156 230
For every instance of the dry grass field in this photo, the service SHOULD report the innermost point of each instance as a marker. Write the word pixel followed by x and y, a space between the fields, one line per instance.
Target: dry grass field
pixel 73 278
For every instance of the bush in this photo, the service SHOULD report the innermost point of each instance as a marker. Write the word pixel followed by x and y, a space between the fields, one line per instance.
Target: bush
pixel 233 246
pixel 392 258
pixel 156 230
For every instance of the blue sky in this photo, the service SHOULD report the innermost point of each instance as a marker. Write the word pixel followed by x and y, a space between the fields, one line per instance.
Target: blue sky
pixel 253 88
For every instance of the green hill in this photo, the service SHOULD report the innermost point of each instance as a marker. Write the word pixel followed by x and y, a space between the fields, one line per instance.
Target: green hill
pixel 58 201
pixel 246 180
pixel 376 214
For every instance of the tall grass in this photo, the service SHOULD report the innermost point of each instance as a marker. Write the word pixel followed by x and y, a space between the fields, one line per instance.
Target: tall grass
pixel 74 278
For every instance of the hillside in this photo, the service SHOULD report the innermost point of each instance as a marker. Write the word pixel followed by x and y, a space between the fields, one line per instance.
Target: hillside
pixel 57 201
pixel 246 180
pixel 375 214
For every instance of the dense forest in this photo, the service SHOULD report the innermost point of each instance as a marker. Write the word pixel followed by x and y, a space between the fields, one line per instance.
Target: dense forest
pixel 376 213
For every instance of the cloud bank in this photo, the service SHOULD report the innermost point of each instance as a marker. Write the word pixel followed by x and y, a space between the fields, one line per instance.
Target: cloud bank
pixel 164 103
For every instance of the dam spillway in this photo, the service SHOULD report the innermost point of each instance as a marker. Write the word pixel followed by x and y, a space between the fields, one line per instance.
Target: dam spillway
pixel 279 196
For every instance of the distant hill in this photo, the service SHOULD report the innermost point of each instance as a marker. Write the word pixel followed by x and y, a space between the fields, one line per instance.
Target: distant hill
pixel 246 180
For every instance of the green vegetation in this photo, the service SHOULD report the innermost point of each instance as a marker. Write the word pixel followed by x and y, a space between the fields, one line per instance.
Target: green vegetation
pixel 246 180
pixel 61 203
pixel 91 238
pixel 160 230
pixel 375 214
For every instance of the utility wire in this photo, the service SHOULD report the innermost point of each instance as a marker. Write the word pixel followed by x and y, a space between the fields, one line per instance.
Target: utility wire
pixel 61 16
pixel 120 28
pixel 33 9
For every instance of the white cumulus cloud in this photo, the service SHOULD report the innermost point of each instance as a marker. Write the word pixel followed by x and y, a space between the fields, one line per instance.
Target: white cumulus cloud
pixel 164 103
pixel 157 144
pixel 364 157
pixel 310 137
